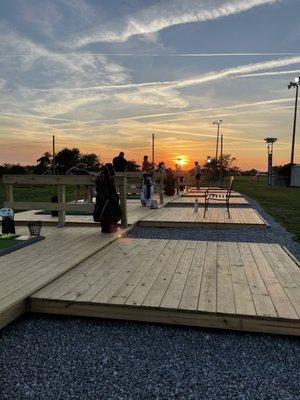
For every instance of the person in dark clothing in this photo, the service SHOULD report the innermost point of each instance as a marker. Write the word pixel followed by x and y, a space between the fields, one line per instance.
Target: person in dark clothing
pixel 107 209
pixel 120 163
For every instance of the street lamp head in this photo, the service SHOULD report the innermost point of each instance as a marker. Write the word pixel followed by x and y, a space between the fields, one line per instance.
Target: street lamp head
pixel 297 79
pixel 270 140
pixel 217 122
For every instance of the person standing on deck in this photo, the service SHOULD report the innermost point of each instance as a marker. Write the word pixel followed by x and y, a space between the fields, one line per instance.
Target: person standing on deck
pixel 120 163
pixel 146 166
pixel 197 174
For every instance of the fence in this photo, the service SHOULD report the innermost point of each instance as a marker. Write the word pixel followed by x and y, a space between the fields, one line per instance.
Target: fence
pixel 61 181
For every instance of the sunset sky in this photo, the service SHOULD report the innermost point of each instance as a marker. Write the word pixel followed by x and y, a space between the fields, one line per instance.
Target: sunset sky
pixel 104 75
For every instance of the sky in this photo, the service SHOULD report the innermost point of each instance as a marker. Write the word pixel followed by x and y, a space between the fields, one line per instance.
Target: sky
pixel 104 75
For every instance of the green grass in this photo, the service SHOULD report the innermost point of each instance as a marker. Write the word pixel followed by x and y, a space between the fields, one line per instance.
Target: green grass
pixel 37 193
pixel 6 243
pixel 282 203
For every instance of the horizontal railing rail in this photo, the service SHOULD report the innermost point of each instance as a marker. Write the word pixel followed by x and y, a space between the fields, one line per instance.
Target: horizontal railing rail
pixel 61 181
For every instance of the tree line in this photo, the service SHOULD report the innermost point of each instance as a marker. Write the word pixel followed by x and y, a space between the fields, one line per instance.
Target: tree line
pixel 63 160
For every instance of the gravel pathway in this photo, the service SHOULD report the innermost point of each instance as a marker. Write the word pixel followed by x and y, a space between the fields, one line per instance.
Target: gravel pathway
pixel 274 234
pixel 58 358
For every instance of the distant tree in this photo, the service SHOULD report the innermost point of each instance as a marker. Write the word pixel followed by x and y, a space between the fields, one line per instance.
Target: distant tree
pixel 15 169
pixel 132 166
pixel 250 172
pixel 67 158
pixel 90 161
pixel 226 163
pixel 43 163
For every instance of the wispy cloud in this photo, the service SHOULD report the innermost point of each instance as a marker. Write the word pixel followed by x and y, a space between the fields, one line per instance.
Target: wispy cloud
pixel 262 74
pixel 167 14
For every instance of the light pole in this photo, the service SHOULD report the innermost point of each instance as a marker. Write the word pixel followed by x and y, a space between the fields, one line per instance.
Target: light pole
pixel 221 161
pixel 53 155
pixel 294 84
pixel 270 142
pixel 218 134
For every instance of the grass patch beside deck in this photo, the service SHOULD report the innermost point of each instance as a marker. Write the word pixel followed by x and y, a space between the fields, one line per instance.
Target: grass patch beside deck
pixel 282 203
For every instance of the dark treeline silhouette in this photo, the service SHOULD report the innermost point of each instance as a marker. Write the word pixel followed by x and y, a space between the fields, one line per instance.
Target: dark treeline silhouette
pixel 65 159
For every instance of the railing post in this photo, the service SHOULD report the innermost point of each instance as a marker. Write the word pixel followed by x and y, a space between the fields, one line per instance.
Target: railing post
pixel 9 192
pixel 161 189
pixel 61 200
pixel 123 201
pixel 177 183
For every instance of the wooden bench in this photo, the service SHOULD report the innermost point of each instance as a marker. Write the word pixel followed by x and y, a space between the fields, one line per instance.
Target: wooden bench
pixel 217 196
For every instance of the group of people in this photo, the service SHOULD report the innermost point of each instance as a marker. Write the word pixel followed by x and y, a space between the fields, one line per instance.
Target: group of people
pixel 107 209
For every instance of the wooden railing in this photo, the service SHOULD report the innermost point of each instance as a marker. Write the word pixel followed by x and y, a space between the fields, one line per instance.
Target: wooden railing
pixel 61 181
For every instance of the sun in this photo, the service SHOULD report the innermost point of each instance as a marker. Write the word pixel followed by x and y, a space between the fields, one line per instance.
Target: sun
pixel 181 160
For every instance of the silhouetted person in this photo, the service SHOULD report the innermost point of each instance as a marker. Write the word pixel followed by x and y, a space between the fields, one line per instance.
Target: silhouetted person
pixel 120 163
pixel 197 174
pixel 146 166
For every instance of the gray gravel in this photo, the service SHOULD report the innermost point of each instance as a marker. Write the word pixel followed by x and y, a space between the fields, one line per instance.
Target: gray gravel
pixel 274 234
pixel 81 358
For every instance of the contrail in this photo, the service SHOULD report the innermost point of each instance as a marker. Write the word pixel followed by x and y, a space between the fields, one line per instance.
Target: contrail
pixel 154 19
pixel 297 71
pixel 235 106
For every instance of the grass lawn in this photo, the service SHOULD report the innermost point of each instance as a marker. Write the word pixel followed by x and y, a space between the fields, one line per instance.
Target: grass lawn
pixel 5 244
pixel 37 193
pixel 283 203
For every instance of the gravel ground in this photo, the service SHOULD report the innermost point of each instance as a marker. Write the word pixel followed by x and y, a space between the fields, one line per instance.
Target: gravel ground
pixel 274 234
pixel 48 357
pixel 58 358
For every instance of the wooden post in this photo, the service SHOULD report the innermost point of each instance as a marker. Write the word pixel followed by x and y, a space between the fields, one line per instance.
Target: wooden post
pixel 161 189
pixel 9 192
pixel 123 200
pixel 61 199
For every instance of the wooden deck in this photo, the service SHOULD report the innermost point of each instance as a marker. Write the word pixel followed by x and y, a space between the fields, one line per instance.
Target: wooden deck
pixel 201 192
pixel 189 201
pixel 216 217
pixel 239 286
pixel 27 270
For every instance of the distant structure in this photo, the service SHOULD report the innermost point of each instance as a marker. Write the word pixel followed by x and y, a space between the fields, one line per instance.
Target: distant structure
pixel 270 142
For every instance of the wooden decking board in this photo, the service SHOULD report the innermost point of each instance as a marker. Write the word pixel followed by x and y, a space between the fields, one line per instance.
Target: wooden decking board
pixel 190 295
pixel 214 284
pixel 27 270
pixel 215 217
pixel 241 291
pixel 24 269
pixel 86 275
pixel 225 297
pixel 87 289
pixel 280 300
pixel 139 293
pixel 208 291
pixel 157 292
pixel 176 285
pixel 104 295
pixel 261 299
pixel 122 294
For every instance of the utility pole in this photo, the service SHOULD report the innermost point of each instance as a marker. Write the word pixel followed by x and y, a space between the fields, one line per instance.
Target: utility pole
pixel 53 155
pixel 153 148
pixel 221 161
pixel 218 134
pixel 295 84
